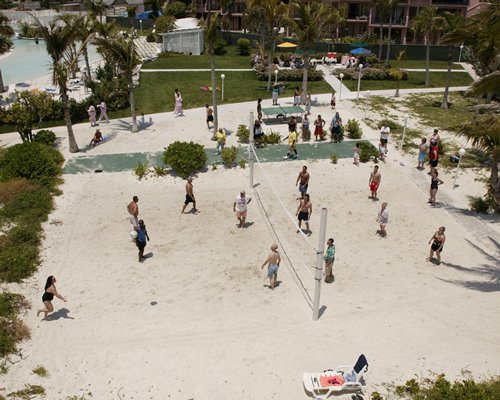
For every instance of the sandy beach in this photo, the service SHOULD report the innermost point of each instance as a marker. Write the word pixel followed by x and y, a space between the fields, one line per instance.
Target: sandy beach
pixel 196 320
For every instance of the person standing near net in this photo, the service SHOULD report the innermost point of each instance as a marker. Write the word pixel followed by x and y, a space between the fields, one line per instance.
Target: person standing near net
pixel 240 208
pixel 189 196
pixel 374 183
pixel 303 181
pixel 382 219
pixel 304 212
pixel 329 259
pixel 140 241
pixel 133 210
pixel 292 145
pixel 273 262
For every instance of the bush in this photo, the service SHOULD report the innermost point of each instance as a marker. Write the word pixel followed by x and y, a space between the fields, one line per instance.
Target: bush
pixel 165 23
pixel 243 134
pixel 46 137
pixel 394 126
pixel 272 138
pixel 242 163
pixel 12 331
pixel 243 46
pixel 229 155
pixel 368 151
pixel 32 205
pixel 353 129
pixel 18 261
pixel 220 47
pixel 160 170
pixel 11 304
pixel 372 74
pixel 185 158
pixel 177 9
pixel 291 75
pixel 480 205
pixel 151 38
pixel 333 158
pixel 33 161
pixel 141 169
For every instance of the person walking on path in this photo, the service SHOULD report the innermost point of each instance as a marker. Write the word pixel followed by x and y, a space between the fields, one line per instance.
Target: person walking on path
pixel 382 219
pixel 178 103
pixel 220 137
pixel 91 112
pixel 103 116
pixel 210 116
pixel 296 97
pixel 437 240
pixel 48 296
pixel 433 157
pixel 189 196
pixel 333 102
pixel 275 94
pixel 240 208
pixel 423 148
pixel 435 182
pixel 307 104
pixel 140 241
pixel 304 212
pixel 329 259
pixel 292 146
pixel 303 181
pixel 273 263
pixel 319 124
pixel 374 183
pixel 133 210
pixel 335 127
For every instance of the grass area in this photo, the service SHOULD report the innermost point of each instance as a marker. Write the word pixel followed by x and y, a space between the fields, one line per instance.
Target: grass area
pixel 420 64
pixel 180 61
pixel 155 92
pixel 415 80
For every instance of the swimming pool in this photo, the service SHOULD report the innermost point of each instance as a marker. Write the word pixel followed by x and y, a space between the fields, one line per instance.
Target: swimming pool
pixel 30 60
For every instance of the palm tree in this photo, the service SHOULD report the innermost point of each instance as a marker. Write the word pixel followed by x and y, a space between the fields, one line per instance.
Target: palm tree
pixel 95 8
pixel 131 12
pixel 211 36
pixel 122 53
pixel 309 28
pixel 397 73
pixel 391 7
pixel 427 22
pixel 485 135
pixel 381 10
pixel 6 32
pixel 451 23
pixel 255 19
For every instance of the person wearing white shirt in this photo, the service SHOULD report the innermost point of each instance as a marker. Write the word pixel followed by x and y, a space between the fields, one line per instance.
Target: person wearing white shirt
pixel 240 207
pixel 384 136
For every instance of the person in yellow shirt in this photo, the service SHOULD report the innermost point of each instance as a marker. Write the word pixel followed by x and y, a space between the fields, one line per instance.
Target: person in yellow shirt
pixel 220 137
pixel 292 145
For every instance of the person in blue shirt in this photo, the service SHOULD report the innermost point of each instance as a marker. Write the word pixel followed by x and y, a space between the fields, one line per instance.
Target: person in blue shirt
pixel 140 241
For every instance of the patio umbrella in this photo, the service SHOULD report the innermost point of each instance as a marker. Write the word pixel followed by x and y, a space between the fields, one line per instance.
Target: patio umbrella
pixel 360 50
pixel 287 45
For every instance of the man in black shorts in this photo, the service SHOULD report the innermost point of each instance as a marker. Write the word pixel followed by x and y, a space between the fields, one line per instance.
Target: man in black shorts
pixel 210 116
pixel 304 212
pixel 189 196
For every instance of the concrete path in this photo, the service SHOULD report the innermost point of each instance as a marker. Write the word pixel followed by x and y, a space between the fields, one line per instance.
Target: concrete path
pixel 470 69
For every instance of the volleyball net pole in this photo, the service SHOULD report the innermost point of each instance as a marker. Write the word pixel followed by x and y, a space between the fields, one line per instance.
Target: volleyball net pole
pixel 318 276
pixel 250 148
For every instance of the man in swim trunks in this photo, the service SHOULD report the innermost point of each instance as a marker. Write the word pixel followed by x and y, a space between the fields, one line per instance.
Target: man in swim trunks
pixel 303 181
pixel 273 262
pixel 189 196
pixel 241 203
pixel 210 116
pixel 133 210
pixel 374 183
pixel 304 211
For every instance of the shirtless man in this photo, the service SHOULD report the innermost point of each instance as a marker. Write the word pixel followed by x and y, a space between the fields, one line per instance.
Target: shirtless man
pixel 210 116
pixel 133 210
pixel 304 211
pixel 303 181
pixel 374 183
pixel 189 196
pixel 273 262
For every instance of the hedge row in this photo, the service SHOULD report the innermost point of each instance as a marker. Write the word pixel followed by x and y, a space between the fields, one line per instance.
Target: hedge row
pixel 291 75
pixel 372 74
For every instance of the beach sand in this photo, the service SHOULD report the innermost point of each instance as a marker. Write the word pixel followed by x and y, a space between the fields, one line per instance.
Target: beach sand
pixel 196 320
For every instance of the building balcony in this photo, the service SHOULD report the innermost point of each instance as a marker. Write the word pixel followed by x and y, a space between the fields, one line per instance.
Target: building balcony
pixel 357 18
pixel 463 3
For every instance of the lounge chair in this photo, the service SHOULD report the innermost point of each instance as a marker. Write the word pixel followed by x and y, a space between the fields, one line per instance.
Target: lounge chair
pixel 343 379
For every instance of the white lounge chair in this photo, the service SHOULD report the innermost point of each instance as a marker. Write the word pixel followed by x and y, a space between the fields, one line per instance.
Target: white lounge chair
pixel 343 379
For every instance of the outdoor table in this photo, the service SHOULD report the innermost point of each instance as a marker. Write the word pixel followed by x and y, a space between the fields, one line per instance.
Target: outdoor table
pixel 282 112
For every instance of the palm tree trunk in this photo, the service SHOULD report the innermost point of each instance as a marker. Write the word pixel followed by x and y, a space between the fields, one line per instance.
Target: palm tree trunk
pixel 305 72
pixel 270 73
pixel 381 46
pixel 495 182
pixel 397 88
pixel 214 89
pixel 444 104
pixel 1 82
pixel 427 60
pixel 87 67
pixel 389 41
pixel 73 146
pixel 132 106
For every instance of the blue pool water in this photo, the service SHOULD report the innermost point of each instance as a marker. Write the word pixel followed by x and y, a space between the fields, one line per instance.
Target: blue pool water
pixel 29 60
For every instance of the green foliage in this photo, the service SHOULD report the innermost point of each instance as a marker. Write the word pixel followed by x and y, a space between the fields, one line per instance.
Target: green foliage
pixel 368 151
pixel 243 46
pixel 480 205
pixel 151 37
pixel 375 74
pixel 45 136
pixel 185 158
pixel 243 134
pixel 12 329
pixel 333 158
pixel 220 47
pixel 353 129
pixel 33 161
pixel 214 166
pixel 229 155
pixel 377 396
pixel 242 163
pixel 176 9
pixel 394 126
pixel 28 393
pixel 165 23
pixel 291 75
pixel 41 371
pixel 272 137
pixel 160 170
pixel 141 169
pixel 12 304
pixel 29 31
pixel 18 261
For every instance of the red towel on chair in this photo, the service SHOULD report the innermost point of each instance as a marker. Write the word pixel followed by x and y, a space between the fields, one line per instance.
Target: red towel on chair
pixel 336 380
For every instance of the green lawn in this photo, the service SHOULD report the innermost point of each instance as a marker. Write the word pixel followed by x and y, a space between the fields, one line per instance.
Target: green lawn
pixel 155 91
pixel 415 80
pixel 420 64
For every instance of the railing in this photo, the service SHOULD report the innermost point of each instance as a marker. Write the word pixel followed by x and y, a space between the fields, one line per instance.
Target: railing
pixel 451 2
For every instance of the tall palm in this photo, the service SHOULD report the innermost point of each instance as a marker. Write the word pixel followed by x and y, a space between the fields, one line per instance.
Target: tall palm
pixel 122 53
pixel 6 32
pixel 451 23
pixel 255 20
pixel 309 28
pixel 391 7
pixel 131 12
pixel 59 41
pixel 485 135
pixel 95 8
pixel 211 36
pixel 398 74
pixel 381 10
pixel 427 22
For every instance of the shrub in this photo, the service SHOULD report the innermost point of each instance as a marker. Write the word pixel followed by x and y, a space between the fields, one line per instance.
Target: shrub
pixel 220 47
pixel 368 151
pixel 11 189
pixel 46 137
pixel 141 169
pixel 12 331
pixel 176 9
pixel 28 207
pixel 353 129
pixel 243 46
pixel 291 75
pixel 41 371
pixel 243 134
pixel 185 158
pixel 33 161
pixel 229 155
pixel 373 74
pixel 390 123
pixel 18 261
pixel 272 138
pixel 479 205
pixel 151 37
pixel 333 158
pixel 242 163
pixel 160 170
pixel 165 23
pixel 11 304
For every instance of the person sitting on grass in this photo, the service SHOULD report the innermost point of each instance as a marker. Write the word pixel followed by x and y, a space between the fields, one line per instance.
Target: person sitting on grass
pixel 97 138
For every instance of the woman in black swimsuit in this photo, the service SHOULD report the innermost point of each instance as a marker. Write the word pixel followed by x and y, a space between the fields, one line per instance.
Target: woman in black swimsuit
pixel 435 182
pixel 437 240
pixel 50 292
